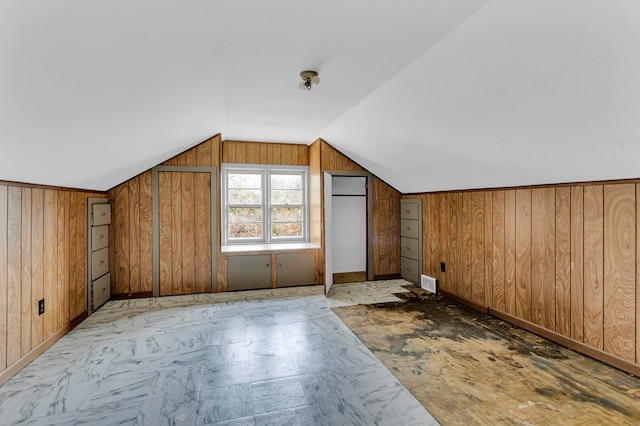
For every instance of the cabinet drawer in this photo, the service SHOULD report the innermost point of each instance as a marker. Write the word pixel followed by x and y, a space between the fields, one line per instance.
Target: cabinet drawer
pixel 99 263
pixel 409 228
pixel 409 210
pixel 101 214
pixel 409 269
pixel 99 237
pixel 409 248
pixel 101 290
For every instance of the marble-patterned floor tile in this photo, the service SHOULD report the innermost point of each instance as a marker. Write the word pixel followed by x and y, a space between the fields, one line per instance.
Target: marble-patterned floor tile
pixel 326 387
pixel 389 405
pixel 221 375
pixel 176 382
pixel 315 362
pixel 271 367
pixel 301 416
pixel 289 391
pixel 172 409
pixel 305 342
pixel 118 390
pixel 225 353
pixel 269 346
pixel 225 403
pixel 347 411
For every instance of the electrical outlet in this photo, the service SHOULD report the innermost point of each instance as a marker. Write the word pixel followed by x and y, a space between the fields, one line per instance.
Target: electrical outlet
pixel 41 307
pixel 443 267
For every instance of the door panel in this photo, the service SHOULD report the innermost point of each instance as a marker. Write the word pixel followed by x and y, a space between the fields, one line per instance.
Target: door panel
pixel 184 226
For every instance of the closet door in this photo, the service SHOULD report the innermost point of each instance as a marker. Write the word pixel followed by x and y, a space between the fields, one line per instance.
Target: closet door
pixel 184 227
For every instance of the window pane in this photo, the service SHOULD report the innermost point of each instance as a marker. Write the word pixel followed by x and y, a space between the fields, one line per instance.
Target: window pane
pixel 280 181
pixel 245 230
pixel 244 180
pixel 286 214
pixel 245 196
pixel 286 230
pixel 245 214
pixel 286 196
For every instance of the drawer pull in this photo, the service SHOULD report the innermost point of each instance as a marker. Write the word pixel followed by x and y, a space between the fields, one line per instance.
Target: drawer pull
pixel 103 290
pixel 103 214
pixel 408 269
pixel 101 262
pixel 100 236
pixel 267 265
pixel 279 265
pixel 408 211
pixel 408 248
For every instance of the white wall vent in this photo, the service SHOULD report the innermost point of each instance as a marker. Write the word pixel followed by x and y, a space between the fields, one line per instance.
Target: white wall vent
pixel 428 283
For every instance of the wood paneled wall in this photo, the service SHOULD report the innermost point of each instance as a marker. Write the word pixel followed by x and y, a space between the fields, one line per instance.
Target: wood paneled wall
pixel 386 210
pixel 131 230
pixel 265 153
pixel 42 256
pixel 563 259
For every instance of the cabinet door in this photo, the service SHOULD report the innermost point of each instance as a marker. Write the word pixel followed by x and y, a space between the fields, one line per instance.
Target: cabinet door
pixel 295 269
pixel 248 272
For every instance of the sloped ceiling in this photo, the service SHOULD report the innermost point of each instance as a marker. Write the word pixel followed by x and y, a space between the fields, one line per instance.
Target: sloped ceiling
pixel 427 94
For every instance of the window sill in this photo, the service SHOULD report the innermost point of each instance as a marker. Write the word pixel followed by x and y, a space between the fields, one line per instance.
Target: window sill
pixel 240 248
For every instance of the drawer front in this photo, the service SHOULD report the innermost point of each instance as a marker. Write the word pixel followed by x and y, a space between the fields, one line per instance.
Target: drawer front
pixel 99 237
pixel 99 263
pixel 101 290
pixel 409 248
pixel 409 269
pixel 101 214
pixel 409 210
pixel 409 228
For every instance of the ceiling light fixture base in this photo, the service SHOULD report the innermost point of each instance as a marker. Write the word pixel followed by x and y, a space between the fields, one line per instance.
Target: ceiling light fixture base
pixel 309 78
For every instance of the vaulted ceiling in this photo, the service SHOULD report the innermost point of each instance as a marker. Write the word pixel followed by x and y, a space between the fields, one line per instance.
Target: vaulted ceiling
pixel 427 94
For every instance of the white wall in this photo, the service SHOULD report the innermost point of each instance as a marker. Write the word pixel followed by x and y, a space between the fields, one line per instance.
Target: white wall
pixel 349 224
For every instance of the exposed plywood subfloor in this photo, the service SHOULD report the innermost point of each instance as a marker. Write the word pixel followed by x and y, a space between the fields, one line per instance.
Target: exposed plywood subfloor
pixel 466 367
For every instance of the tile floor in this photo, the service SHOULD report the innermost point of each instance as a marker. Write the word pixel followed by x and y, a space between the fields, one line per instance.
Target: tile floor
pixel 266 357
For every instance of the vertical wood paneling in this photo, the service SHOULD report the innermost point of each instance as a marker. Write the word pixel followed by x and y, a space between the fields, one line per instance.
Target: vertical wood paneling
pixel 191 157
pixel 563 260
pixel 188 233
pixel 164 194
pixel 443 242
pixel 49 261
pixel 453 257
pixel 134 233
pixel 523 254
pixel 467 278
pixel 577 263
pixel 593 265
pixel 286 154
pixel 63 261
pixel 37 252
pixel 253 153
pixel 380 217
pixel 510 252
pixel 620 270
pixel 3 275
pixel 14 260
pixel 26 302
pixel 637 272
pixel 146 220
pixel 477 247
pixel 433 235
pixel 264 154
pixel 73 266
pixel 203 154
pixel 241 152
pixel 543 295
pixel 81 247
pixel 202 232
pixel 488 247
pixel 176 232
pixel 394 231
pixel 498 249
pixel 122 241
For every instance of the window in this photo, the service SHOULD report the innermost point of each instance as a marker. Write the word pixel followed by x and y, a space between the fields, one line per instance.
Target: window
pixel 264 204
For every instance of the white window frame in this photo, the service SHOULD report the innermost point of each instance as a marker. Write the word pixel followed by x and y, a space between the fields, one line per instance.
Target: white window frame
pixel 266 170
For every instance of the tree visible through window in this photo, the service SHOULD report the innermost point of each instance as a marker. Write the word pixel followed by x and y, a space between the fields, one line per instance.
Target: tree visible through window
pixel 264 204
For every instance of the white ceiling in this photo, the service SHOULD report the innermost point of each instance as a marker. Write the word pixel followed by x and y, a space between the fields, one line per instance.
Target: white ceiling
pixel 427 94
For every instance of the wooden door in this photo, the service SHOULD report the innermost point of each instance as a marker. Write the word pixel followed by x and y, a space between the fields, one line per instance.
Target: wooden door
pixel 184 227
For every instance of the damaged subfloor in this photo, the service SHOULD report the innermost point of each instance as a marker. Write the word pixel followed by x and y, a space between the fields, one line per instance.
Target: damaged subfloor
pixel 466 367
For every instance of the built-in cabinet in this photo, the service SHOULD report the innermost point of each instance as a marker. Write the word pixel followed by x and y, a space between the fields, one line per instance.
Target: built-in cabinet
pixel 411 239
pixel 98 221
pixel 271 270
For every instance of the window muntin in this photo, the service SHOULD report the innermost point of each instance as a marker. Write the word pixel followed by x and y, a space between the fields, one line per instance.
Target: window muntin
pixel 265 204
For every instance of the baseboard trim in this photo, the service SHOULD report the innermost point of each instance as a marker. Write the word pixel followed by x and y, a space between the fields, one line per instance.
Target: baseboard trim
pixel 139 295
pixel 568 342
pixel 386 277
pixel 349 277
pixel 470 303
